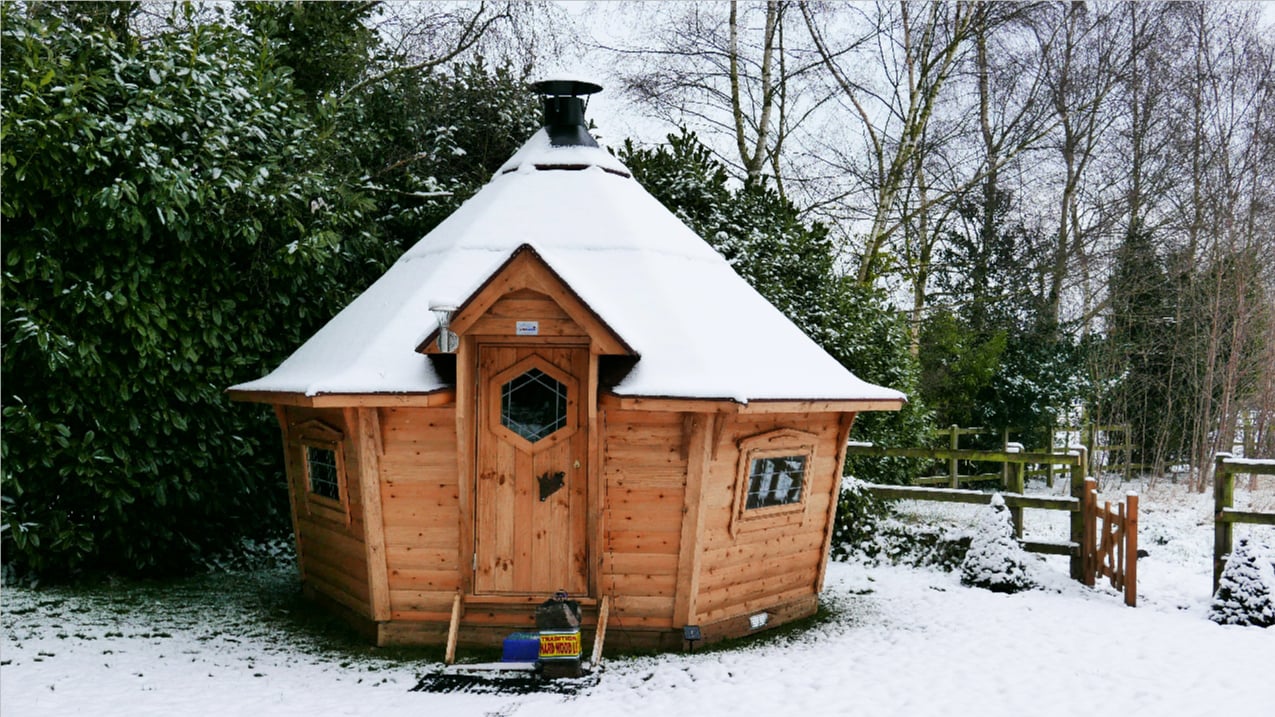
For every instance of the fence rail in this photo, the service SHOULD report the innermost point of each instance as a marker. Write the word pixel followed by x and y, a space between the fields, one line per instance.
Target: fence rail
pixel 1224 514
pixel 1014 501
pixel 953 478
pixel 1104 542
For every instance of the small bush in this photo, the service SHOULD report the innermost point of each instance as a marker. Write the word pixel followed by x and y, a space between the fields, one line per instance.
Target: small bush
pixel 867 531
pixel 248 555
pixel 1244 591
pixel 995 560
pixel 859 515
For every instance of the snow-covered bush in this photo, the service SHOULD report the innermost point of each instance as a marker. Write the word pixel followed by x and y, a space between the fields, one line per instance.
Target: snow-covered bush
pixel 995 560
pixel 248 555
pixel 859 516
pixel 1244 592
pixel 867 531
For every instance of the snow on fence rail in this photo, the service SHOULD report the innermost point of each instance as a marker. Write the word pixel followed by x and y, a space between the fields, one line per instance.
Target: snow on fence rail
pixel 1224 514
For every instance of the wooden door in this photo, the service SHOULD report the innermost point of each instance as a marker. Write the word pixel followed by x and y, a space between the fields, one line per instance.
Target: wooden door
pixel 532 487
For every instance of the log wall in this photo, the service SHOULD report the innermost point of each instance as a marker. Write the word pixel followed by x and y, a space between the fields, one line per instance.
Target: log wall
pixel 420 498
pixel 644 477
pixel 649 541
pixel 772 564
pixel 330 551
pixel 772 561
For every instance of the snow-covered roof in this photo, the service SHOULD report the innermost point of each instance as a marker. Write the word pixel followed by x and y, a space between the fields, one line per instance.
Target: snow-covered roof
pixel 700 330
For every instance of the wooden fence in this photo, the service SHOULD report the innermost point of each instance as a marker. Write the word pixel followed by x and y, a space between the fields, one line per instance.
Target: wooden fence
pixel 1012 477
pixel 952 477
pixel 1110 446
pixel 1224 514
pixel 1104 542
pixel 1086 436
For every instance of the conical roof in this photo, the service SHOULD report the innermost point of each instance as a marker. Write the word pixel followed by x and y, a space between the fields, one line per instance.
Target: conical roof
pixel 699 330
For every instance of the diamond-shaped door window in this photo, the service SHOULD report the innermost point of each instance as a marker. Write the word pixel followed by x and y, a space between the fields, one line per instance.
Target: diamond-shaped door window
pixel 533 405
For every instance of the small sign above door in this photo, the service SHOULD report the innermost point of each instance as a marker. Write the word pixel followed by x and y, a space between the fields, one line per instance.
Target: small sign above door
pixel 527 328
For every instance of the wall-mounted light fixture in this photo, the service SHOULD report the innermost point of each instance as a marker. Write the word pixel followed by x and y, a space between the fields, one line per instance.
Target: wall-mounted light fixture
pixel 447 341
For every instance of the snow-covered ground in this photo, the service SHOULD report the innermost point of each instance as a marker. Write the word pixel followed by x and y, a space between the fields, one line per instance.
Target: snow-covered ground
pixel 898 641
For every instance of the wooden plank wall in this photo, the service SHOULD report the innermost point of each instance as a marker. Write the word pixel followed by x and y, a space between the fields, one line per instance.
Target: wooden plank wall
pixel 644 476
pixel 420 499
pixel 767 562
pixel 332 556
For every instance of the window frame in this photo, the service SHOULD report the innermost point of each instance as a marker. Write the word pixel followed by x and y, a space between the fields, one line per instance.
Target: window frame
pixel 321 436
pixel 495 391
pixel 779 443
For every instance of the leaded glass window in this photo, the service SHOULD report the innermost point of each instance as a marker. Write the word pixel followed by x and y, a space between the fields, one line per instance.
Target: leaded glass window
pixel 533 405
pixel 775 481
pixel 321 467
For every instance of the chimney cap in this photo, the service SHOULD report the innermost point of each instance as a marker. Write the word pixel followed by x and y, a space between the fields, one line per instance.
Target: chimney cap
pixel 565 87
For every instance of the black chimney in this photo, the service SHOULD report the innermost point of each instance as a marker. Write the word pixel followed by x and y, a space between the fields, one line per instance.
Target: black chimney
pixel 564 111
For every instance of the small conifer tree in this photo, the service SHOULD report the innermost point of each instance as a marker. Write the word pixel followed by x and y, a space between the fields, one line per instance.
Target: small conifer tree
pixel 995 560
pixel 1244 591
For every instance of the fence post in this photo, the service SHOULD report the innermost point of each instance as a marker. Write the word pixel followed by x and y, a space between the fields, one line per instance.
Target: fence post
pixel 954 442
pixel 1090 504
pixel 1131 551
pixel 1250 446
pixel 1090 438
pixel 1223 531
pixel 1005 466
pixel 1015 482
pixel 1079 519
pixel 1049 448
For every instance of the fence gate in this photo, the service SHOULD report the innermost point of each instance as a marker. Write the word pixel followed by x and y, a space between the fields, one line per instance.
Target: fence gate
pixel 1110 545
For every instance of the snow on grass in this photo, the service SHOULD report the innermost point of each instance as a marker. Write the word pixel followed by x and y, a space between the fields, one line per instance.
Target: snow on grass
pixel 895 641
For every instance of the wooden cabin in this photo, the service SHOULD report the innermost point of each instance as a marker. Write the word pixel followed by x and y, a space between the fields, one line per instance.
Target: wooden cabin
pixel 562 387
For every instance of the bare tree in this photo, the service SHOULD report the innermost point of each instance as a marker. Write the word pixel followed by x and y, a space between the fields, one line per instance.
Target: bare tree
pixel 920 49
pixel 727 69
pixel 1006 75
pixel 1086 65
pixel 1228 229
pixel 422 36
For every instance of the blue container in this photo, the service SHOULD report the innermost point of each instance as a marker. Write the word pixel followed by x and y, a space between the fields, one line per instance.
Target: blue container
pixel 521 647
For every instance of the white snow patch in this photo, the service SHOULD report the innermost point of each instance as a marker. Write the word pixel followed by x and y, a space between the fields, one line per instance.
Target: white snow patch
pixel 901 642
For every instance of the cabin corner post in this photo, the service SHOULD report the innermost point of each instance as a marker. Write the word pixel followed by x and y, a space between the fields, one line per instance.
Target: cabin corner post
pixel 466 396
pixel 367 428
pixel 595 526
pixel 839 469
pixel 690 553
pixel 289 471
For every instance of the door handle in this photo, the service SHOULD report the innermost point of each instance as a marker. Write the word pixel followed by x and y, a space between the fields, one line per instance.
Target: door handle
pixel 550 483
